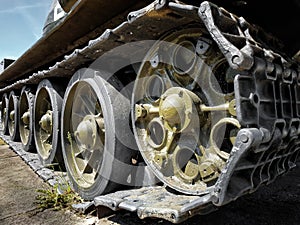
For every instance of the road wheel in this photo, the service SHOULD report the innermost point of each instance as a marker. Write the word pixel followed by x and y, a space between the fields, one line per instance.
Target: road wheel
pixel 47 107
pixel 26 119
pixel 183 111
pixel 93 116
pixel 4 115
pixel 13 115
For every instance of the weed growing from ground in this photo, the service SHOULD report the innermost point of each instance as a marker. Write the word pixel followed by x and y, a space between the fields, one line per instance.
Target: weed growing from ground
pixel 57 200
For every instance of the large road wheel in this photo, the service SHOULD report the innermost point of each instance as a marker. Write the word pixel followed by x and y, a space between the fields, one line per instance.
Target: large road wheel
pixel 47 108
pixel 183 111
pixel 26 122
pixel 13 116
pixel 94 114
pixel 4 115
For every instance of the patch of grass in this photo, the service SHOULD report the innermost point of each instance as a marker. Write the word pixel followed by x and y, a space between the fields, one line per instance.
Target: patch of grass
pixel 54 199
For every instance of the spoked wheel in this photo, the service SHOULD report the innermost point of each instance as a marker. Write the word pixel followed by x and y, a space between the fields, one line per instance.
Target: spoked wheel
pixel 26 118
pixel 47 107
pixel 94 113
pixel 13 116
pixel 4 115
pixel 183 111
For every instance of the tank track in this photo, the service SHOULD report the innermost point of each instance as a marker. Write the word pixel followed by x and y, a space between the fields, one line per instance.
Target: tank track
pixel 267 103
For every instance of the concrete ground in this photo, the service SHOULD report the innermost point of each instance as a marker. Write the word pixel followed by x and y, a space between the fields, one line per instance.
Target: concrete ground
pixel 276 204
pixel 18 189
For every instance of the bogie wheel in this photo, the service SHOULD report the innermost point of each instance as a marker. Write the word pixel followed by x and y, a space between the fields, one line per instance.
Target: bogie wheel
pixel 183 111
pixel 47 111
pixel 4 115
pixel 93 117
pixel 26 118
pixel 13 116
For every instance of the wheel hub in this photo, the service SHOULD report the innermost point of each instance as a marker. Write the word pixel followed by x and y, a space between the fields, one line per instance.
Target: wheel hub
pixel 172 109
pixel 46 122
pixel 176 108
pixel 26 118
pixel 86 132
pixel 12 115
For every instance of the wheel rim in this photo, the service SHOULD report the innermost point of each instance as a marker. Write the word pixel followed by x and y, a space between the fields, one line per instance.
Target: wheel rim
pixel 183 110
pixel 85 131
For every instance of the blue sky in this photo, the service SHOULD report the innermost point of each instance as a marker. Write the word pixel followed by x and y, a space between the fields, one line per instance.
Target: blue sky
pixel 21 25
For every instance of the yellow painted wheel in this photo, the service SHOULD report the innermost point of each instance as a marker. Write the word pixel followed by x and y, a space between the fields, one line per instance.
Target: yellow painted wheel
pixel 182 93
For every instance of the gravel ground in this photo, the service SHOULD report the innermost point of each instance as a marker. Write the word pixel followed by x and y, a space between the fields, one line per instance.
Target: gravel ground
pixel 276 204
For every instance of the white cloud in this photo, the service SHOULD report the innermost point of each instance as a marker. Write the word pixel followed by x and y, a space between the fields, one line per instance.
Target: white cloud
pixel 34 24
pixel 26 11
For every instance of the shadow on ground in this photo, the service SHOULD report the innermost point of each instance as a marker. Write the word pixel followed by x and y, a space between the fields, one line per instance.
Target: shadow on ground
pixel 275 204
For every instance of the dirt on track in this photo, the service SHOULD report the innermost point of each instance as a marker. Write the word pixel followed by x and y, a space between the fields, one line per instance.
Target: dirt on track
pixel 276 204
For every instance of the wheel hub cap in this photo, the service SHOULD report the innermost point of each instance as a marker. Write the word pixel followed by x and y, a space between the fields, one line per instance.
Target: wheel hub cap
pixel 46 122
pixel 86 132
pixel 26 118
pixel 12 115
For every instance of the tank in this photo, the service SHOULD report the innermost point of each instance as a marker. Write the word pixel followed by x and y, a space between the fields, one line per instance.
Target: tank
pixel 167 108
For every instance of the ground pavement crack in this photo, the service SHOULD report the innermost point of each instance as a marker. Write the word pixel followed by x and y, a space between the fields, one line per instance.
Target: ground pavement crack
pixel 18 214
